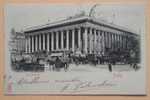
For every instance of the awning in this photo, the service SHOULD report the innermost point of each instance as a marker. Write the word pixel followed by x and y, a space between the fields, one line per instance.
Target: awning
pixel 78 53
pixel 56 54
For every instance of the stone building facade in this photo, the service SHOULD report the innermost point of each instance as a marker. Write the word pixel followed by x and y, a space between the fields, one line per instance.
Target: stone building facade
pixel 85 34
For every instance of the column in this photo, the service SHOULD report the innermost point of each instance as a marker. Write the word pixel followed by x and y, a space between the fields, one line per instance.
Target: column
pixel 108 39
pixel 85 40
pixel 48 42
pixel 30 41
pixel 79 38
pixel 57 40
pixel 123 42
pixel 108 35
pixel 118 41
pixel 103 42
pixel 67 39
pixel 115 37
pixel 98 43
pixel 52 41
pixel 36 43
pixel 26 44
pixel 116 45
pixel 95 47
pixel 106 42
pixel 62 40
pixel 32 44
pixel 28 38
pixel 90 40
pixel 39 41
pixel 115 41
pixel 112 41
pixel 43 41
pixel 73 40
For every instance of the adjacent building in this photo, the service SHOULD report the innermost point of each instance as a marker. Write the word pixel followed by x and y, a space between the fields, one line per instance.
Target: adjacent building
pixel 17 43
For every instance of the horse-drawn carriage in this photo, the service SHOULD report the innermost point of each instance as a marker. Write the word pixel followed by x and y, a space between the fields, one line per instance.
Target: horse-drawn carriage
pixel 79 59
pixel 26 63
pixel 92 59
pixel 37 63
pixel 57 62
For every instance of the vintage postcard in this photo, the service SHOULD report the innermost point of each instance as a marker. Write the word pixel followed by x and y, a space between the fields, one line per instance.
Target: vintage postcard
pixel 70 49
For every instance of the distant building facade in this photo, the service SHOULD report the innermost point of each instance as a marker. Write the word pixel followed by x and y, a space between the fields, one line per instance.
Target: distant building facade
pixel 17 43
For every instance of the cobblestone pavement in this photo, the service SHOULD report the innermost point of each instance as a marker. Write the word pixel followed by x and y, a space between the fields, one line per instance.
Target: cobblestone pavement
pixel 92 68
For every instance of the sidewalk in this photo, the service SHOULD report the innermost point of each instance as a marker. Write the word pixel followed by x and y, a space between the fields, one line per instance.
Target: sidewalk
pixel 91 68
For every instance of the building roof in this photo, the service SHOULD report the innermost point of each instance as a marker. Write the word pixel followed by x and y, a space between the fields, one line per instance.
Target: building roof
pixel 77 19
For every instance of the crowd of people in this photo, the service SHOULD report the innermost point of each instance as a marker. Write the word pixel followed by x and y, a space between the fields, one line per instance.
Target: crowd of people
pixel 58 62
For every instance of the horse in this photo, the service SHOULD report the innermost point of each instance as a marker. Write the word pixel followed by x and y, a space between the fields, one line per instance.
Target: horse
pixel 51 64
pixel 58 64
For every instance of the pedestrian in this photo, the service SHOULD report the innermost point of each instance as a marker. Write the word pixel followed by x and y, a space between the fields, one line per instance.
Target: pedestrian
pixel 135 66
pixel 110 67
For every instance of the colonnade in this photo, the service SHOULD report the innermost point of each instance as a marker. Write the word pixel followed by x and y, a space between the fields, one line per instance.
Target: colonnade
pixel 88 40
pixel 53 41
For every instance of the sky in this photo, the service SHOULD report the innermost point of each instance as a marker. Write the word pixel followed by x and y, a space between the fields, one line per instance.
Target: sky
pixel 20 17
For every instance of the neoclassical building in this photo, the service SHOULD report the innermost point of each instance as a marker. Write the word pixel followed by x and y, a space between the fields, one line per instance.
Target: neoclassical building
pixel 17 43
pixel 85 34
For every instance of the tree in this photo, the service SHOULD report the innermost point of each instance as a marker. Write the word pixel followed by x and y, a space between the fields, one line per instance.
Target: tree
pixel 134 48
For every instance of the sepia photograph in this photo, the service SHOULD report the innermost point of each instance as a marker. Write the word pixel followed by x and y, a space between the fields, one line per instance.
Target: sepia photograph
pixel 70 49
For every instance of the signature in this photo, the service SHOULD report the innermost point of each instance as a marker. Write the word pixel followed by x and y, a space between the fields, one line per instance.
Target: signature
pixel 86 85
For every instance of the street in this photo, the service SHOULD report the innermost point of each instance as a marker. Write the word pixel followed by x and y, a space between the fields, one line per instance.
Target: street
pixel 98 68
